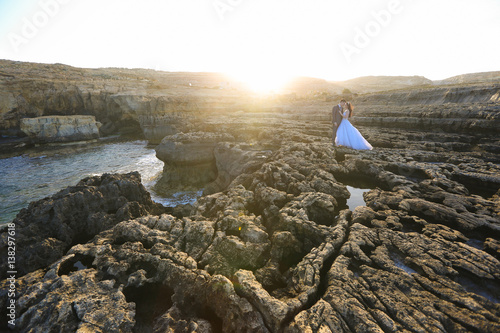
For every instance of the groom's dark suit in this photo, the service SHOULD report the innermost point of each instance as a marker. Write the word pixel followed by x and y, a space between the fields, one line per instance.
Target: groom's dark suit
pixel 336 119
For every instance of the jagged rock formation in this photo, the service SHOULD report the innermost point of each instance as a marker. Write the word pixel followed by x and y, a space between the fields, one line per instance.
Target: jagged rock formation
pixel 189 159
pixel 278 251
pixel 272 245
pixel 204 160
pixel 60 128
pixel 49 227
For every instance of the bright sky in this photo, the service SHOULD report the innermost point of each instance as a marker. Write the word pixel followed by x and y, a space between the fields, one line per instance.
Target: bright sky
pixel 261 41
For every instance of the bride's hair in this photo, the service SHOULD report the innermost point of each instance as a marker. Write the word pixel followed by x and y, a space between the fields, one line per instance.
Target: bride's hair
pixel 350 107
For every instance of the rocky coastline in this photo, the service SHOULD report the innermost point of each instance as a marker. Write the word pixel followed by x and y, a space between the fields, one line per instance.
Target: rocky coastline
pixel 271 246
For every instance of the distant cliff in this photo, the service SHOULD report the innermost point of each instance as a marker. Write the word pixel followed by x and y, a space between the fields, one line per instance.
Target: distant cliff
pixel 381 83
pixel 143 102
pixel 480 93
pixel 154 104
pixel 487 77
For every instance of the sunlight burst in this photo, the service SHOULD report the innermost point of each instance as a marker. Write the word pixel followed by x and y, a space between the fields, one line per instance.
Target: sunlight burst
pixel 263 82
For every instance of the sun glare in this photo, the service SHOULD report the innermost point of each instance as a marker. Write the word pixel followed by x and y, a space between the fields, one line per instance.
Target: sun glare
pixel 263 82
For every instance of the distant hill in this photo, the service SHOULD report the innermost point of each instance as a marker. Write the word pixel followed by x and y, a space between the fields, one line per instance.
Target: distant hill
pixel 371 84
pixel 305 85
pixel 365 84
pixel 484 77
pixel 153 79
pixel 383 83
pixel 127 76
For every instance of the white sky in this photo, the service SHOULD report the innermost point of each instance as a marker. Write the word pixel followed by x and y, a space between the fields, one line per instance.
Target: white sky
pixel 262 41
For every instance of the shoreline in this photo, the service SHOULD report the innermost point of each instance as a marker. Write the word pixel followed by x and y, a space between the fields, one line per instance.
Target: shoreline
pixel 42 171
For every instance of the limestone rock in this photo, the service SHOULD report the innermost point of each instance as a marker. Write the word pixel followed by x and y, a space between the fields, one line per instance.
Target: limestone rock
pixel 139 265
pixel 276 251
pixel 49 227
pixel 61 128
pixel 189 160
pixel 272 246
pixel 233 160
pixel 189 148
pixel 96 306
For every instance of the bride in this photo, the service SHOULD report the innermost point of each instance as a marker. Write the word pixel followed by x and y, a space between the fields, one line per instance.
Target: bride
pixel 348 135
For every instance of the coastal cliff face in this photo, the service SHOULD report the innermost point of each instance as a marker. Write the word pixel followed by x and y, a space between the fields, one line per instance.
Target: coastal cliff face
pixel 157 104
pixel 272 245
pixel 140 102
pixel 60 128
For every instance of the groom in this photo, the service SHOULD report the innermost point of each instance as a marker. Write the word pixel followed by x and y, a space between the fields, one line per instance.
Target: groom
pixel 337 117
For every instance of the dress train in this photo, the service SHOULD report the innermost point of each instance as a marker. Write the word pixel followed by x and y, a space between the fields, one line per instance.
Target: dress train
pixel 349 136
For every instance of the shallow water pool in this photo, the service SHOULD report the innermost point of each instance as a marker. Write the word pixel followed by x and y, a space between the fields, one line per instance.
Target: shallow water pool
pixel 356 198
pixel 47 170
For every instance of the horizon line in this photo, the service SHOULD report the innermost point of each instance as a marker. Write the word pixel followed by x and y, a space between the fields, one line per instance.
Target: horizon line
pixel 298 76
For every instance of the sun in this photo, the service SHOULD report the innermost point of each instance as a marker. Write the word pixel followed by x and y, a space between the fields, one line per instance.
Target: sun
pixel 262 82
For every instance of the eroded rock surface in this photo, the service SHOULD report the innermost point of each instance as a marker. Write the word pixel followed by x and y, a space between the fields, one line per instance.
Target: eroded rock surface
pixel 189 160
pixel 278 251
pixel 49 227
pixel 273 246
pixel 60 128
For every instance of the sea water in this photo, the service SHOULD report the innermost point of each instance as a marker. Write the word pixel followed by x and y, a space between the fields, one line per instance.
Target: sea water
pixel 356 199
pixel 47 170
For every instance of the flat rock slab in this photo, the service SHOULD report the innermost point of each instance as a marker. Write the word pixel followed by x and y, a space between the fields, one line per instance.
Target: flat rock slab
pixel 61 128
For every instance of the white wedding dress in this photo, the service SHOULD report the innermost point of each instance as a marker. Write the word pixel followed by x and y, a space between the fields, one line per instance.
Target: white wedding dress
pixel 349 136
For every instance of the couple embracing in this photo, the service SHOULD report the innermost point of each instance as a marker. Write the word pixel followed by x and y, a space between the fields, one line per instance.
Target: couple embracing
pixel 344 134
